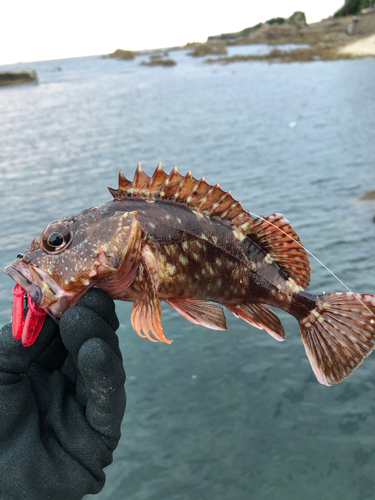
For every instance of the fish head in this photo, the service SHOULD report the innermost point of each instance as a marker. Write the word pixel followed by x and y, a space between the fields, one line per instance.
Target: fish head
pixel 99 247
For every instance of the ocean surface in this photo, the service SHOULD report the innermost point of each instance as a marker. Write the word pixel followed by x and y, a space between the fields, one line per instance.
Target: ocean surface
pixel 229 415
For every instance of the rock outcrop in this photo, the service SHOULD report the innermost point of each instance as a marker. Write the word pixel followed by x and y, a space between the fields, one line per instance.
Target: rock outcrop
pixel 370 195
pixel 127 55
pixel 15 77
pixel 215 47
pixel 159 62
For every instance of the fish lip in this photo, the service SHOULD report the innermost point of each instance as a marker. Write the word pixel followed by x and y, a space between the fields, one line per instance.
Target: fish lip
pixel 30 287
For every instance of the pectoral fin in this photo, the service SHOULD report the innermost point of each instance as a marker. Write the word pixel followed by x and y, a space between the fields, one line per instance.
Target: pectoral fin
pixel 259 316
pixel 146 310
pixel 200 312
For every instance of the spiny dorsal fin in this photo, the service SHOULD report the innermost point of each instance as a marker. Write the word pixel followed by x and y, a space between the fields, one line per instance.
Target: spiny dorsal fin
pixel 274 234
pixel 198 194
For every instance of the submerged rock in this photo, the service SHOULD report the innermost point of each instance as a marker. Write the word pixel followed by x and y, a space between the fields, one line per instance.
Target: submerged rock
pixel 159 62
pixel 370 195
pixel 15 77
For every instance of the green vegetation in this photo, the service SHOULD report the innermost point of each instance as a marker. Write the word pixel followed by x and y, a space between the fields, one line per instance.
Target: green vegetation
pixel 353 7
pixel 276 20
pixel 246 31
pixel 298 18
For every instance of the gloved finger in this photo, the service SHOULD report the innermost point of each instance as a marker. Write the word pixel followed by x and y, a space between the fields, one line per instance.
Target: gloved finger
pixel 14 357
pixel 53 357
pixel 79 324
pixel 104 377
pixel 99 301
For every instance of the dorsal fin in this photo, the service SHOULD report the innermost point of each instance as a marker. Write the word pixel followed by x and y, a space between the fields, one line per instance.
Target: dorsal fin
pixel 277 237
pixel 197 194
pixel 274 234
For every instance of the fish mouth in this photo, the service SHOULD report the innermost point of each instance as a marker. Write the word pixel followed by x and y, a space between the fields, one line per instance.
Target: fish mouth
pixel 30 287
pixel 46 293
pixel 32 281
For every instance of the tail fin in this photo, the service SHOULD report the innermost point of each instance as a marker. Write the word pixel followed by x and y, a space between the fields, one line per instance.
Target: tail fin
pixel 338 334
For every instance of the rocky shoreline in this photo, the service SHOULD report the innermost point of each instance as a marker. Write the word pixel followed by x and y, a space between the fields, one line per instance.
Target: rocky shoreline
pixel 346 37
pixel 16 77
pixel 334 38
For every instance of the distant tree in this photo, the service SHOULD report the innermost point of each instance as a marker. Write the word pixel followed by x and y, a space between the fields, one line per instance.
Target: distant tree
pixel 353 7
pixel 276 20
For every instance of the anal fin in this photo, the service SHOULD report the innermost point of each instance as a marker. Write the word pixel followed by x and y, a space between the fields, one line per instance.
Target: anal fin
pixel 146 310
pixel 259 316
pixel 200 312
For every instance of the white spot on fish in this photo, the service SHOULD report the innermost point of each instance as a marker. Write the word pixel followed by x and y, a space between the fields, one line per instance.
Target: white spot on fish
pixel 171 269
pixel 239 235
pixel 183 260
pixel 185 245
pixel 268 259
pixel 293 285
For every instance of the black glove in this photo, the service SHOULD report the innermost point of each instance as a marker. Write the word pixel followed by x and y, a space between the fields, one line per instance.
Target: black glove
pixel 62 401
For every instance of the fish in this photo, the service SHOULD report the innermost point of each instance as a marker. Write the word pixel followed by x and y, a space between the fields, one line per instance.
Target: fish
pixel 173 238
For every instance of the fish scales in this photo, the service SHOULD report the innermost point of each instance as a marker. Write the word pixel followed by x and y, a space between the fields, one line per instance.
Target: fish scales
pixel 195 252
pixel 178 239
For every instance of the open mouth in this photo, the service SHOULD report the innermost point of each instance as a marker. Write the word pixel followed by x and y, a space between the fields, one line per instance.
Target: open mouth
pixel 44 296
pixel 33 290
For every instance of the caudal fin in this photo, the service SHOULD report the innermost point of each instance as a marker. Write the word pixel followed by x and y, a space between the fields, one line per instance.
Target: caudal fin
pixel 338 334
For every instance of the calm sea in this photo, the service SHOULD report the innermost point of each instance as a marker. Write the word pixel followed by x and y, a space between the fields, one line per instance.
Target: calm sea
pixel 228 415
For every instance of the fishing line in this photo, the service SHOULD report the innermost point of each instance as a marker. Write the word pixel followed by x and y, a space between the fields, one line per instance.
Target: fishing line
pixel 316 258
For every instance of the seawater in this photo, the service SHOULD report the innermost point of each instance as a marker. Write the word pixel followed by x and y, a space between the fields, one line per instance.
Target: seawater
pixel 228 415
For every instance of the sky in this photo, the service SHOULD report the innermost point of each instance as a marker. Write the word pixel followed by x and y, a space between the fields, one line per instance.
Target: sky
pixel 35 30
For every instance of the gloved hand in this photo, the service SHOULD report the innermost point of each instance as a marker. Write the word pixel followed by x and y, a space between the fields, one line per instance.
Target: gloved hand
pixel 62 401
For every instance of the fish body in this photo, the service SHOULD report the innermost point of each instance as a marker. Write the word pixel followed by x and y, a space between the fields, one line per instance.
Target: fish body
pixel 178 239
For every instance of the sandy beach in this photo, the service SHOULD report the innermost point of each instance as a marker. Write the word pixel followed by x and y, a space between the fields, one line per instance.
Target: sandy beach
pixel 360 48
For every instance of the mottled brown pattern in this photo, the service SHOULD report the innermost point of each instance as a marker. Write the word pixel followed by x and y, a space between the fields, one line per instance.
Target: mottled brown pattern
pixel 175 238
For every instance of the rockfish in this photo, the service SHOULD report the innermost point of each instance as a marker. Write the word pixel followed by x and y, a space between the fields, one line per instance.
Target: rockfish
pixel 181 240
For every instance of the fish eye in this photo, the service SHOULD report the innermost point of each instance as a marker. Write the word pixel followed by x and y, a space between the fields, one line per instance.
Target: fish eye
pixel 55 238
